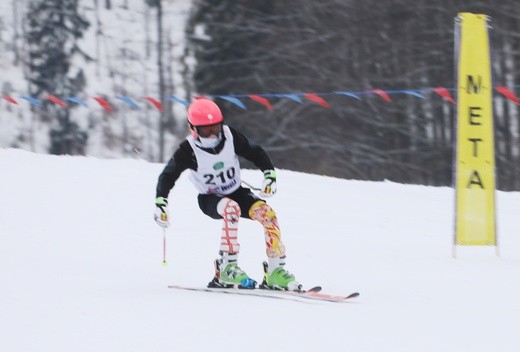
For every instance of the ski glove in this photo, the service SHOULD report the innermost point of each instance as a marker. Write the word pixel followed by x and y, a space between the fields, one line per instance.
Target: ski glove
pixel 269 184
pixel 161 212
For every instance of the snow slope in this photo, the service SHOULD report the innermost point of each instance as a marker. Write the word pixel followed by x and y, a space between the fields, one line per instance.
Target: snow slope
pixel 80 266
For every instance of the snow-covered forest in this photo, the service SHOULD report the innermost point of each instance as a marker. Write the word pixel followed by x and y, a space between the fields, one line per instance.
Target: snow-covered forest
pixel 105 53
pixel 313 68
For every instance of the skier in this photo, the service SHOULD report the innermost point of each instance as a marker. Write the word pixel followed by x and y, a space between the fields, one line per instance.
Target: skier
pixel 211 153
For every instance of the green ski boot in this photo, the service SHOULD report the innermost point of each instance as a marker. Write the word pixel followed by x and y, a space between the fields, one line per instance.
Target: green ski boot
pixel 279 279
pixel 228 274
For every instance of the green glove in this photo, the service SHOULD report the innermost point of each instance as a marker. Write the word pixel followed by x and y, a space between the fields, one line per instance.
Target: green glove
pixel 269 184
pixel 161 212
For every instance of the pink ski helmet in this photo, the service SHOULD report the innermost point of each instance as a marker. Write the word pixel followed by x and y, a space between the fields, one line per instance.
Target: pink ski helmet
pixel 203 112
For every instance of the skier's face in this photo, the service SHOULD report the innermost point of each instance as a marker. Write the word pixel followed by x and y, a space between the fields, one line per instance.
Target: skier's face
pixel 210 130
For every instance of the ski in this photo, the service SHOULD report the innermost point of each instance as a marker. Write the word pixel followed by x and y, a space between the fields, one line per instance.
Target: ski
pixel 313 293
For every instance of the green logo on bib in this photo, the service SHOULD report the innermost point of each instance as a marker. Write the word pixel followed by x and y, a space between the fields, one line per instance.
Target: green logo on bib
pixel 218 166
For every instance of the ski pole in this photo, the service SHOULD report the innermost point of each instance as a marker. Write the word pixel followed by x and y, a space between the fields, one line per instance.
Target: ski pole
pixel 164 262
pixel 251 186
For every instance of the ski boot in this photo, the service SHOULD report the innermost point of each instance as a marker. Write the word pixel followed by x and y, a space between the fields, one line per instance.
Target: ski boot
pixel 279 279
pixel 231 276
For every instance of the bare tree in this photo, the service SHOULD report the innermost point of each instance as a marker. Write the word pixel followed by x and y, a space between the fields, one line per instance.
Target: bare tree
pixel 332 45
pixel 166 120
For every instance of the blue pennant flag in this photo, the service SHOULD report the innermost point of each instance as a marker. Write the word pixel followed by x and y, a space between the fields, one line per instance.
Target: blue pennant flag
pixel 414 93
pixel 129 101
pixel 32 101
pixel 78 101
pixel 349 94
pixel 233 100
pixel 179 100
pixel 296 97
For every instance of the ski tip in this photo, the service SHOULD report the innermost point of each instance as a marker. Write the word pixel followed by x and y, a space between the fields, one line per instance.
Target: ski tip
pixel 352 295
pixel 313 289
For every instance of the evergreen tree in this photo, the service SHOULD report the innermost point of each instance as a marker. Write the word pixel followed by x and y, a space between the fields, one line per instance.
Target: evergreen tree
pixel 53 28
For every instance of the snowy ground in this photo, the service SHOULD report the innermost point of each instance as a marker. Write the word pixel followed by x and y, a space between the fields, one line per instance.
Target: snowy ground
pixel 80 266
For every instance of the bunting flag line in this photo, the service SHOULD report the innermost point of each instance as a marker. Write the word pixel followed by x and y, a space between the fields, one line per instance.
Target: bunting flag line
pixel 129 101
pixel 508 94
pixel 443 92
pixel 155 103
pixel 317 99
pixel 262 99
pixel 77 101
pixel 104 103
pixel 382 94
pixel 57 101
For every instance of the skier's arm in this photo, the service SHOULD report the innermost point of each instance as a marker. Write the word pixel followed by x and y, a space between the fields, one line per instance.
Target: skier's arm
pixel 167 178
pixel 181 160
pixel 258 156
pixel 251 151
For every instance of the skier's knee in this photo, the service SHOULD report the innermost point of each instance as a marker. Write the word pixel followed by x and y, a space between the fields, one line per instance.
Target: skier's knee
pixel 261 211
pixel 228 206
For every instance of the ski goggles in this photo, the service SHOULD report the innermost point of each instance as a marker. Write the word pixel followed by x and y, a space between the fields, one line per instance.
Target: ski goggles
pixel 209 130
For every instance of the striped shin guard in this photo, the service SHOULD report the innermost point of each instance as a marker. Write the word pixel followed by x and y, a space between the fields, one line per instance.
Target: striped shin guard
pixel 230 212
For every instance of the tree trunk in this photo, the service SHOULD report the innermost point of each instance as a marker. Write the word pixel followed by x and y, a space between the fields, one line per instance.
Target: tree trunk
pixel 160 72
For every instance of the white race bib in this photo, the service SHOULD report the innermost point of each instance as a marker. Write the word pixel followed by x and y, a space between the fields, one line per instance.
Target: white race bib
pixel 216 173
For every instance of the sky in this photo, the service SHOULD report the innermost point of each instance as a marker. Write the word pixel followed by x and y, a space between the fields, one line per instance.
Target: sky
pixel 81 265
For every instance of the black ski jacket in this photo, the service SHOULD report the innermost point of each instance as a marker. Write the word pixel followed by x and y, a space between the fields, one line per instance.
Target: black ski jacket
pixel 184 158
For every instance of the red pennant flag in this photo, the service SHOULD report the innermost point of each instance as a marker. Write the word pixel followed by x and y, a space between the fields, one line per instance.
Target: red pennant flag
pixel 262 101
pixel 155 103
pixel 443 92
pixel 56 101
pixel 104 104
pixel 508 94
pixel 382 94
pixel 317 100
pixel 10 99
